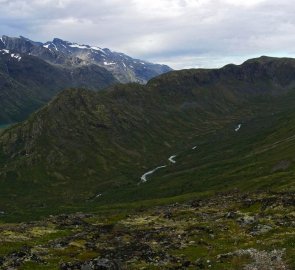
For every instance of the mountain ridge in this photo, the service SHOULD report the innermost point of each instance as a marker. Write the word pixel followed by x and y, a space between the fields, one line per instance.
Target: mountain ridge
pixel 109 139
pixel 123 67
pixel 29 82
pixel 33 72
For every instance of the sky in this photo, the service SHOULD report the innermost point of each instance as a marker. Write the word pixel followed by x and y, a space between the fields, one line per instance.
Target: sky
pixel 180 33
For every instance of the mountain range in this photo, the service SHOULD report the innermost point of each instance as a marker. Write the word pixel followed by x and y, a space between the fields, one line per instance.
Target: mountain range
pixel 33 72
pixel 85 144
pixel 193 170
pixel 60 52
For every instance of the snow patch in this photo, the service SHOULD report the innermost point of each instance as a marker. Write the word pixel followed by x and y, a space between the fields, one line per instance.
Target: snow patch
pixel 98 49
pixel 78 46
pixel 109 64
pixel 46 46
pixel 4 51
pixel 55 47
pixel 16 56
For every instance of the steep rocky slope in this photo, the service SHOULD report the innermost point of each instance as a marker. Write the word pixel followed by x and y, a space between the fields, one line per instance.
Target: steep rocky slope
pixel 123 67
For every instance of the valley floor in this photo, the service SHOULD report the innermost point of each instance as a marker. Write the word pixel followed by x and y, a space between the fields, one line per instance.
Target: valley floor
pixel 226 231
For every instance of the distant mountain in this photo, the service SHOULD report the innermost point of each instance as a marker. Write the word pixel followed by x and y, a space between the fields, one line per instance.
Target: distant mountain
pixel 32 73
pixel 84 143
pixel 123 67
pixel 28 82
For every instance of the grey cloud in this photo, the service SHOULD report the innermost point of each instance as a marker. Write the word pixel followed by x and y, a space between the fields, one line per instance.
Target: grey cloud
pixel 196 33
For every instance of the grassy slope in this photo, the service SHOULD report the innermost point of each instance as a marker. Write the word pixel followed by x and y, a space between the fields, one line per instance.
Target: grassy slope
pixel 117 161
pixel 258 156
pixel 83 143
pixel 226 164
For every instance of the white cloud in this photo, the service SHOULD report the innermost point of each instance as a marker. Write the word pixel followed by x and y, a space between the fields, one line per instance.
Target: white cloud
pixel 247 3
pixel 180 32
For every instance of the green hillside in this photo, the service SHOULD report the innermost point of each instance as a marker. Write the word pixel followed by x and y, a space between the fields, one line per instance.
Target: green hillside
pixel 83 144
pixel 195 170
pixel 28 83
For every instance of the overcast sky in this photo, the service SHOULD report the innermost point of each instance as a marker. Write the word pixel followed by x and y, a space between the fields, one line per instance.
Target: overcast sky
pixel 180 33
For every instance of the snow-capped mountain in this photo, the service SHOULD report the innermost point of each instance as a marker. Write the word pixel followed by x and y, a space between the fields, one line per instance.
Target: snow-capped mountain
pixel 58 51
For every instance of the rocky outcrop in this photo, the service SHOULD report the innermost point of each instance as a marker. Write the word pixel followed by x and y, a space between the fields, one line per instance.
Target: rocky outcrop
pixel 95 264
pixel 197 234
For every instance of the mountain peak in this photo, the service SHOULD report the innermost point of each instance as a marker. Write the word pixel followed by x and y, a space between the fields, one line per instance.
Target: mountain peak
pixel 267 59
pixel 22 37
pixel 123 67
pixel 59 41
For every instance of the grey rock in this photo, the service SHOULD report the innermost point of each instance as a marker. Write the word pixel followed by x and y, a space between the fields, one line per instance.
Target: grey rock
pixel 123 67
pixel 261 229
pixel 246 220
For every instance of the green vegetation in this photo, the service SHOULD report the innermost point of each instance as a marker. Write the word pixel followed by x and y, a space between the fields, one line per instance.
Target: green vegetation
pixel 227 202
pixel 29 84
pixel 225 231
pixel 83 143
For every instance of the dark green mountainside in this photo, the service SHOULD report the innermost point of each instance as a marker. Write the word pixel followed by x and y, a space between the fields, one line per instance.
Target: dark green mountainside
pixel 195 170
pixel 27 83
pixel 86 147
